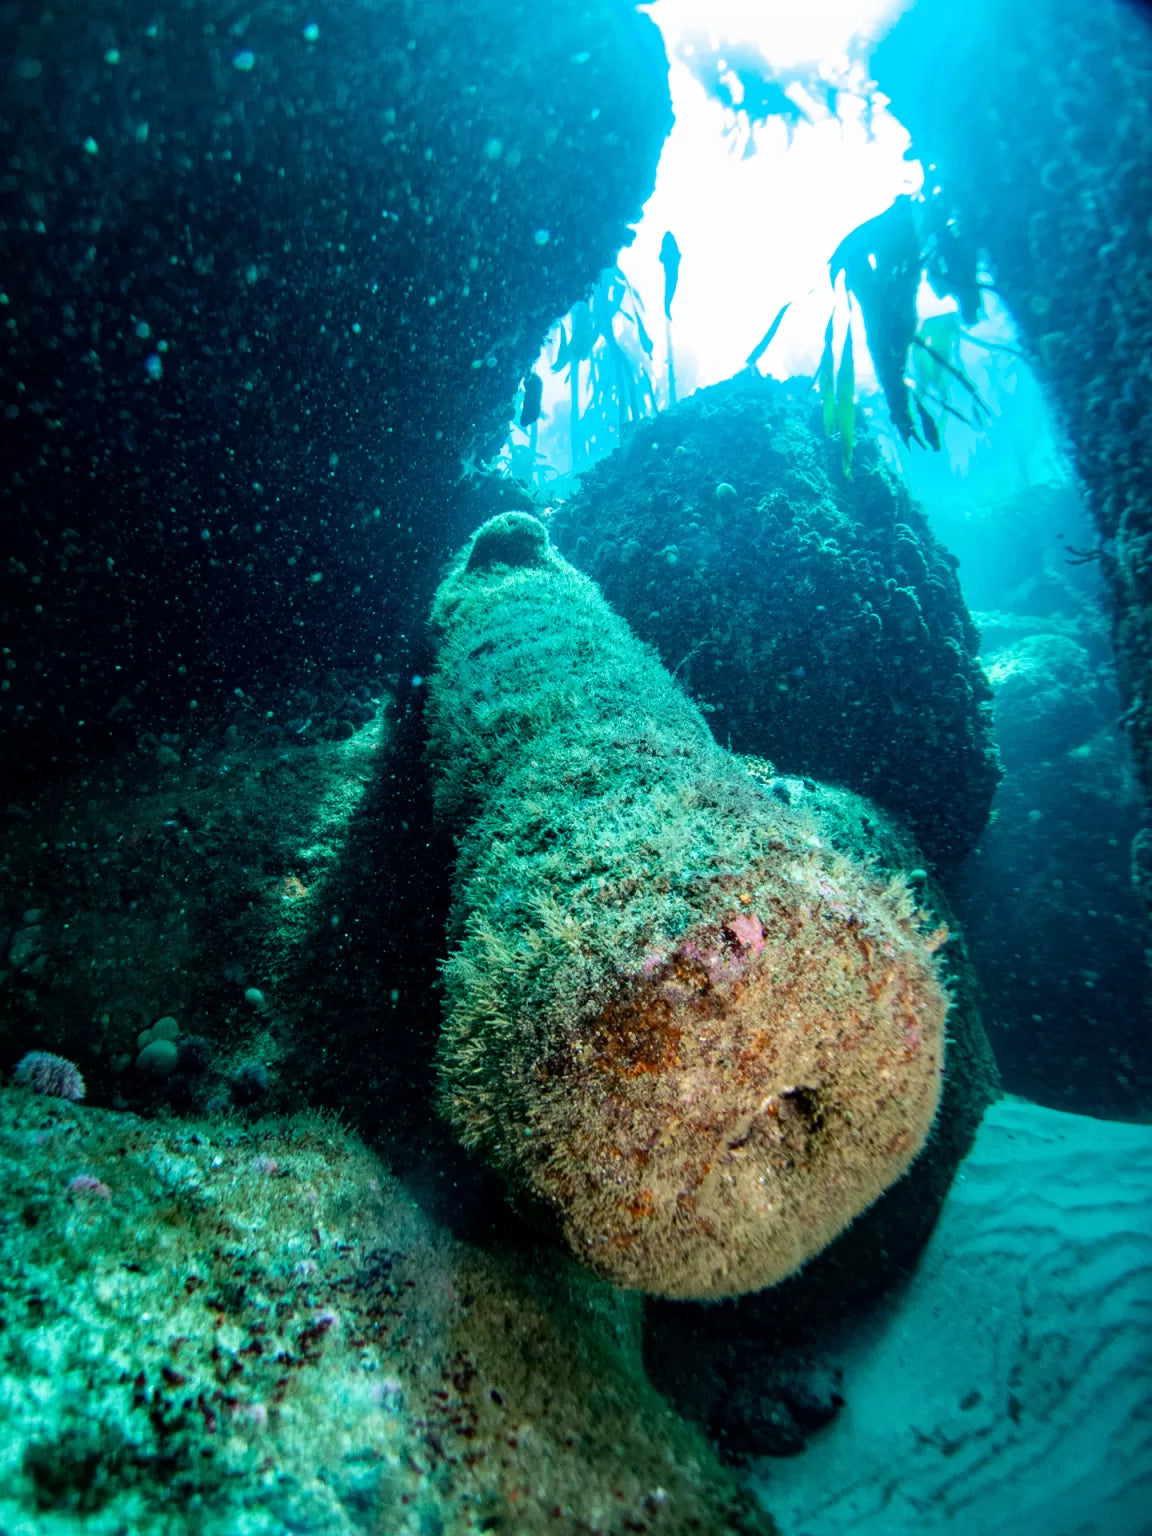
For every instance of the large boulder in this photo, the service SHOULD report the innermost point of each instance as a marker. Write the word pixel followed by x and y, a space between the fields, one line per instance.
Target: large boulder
pixel 1055 926
pixel 815 618
pixel 679 1016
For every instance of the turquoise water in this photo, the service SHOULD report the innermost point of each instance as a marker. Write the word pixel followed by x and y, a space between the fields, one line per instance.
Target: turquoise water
pixel 423 1025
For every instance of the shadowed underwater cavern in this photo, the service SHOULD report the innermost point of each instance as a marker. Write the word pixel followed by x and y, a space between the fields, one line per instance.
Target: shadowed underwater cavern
pixel 1007 102
pixel 270 280
pixel 506 978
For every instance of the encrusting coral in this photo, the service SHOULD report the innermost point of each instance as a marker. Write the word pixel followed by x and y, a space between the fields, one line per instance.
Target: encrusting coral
pixel 675 1018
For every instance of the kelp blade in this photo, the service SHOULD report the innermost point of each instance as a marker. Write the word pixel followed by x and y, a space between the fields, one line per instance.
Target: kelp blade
pixel 846 404
pixel 827 381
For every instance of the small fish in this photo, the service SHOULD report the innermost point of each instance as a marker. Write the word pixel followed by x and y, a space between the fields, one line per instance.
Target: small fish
pixel 533 399
pixel 670 261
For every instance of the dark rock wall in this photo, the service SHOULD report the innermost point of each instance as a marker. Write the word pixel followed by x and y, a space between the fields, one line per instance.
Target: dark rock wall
pixel 815 618
pixel 1056 930
pixel 1038 115
pixel 270 278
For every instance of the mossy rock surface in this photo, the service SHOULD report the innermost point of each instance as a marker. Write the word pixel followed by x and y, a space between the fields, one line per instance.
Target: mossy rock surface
pixel 731 1368
pixel 227 1330
pixel 815 619
pixel 677 1016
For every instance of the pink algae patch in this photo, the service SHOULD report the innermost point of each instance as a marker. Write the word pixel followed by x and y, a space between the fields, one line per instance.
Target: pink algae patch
pixel 747 929
pixel 85 1184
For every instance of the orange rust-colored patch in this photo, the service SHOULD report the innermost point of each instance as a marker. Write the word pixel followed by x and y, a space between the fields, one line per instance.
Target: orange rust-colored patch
pixel 644 1205
pixel 635 1035
pixel 880 990
pixel 761 1044
pixel 937 939
pixel 292 888
pixel 620 1239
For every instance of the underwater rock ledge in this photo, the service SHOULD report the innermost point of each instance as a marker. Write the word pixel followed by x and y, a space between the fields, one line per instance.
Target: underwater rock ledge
pixel 674 1017
pixel 217 1329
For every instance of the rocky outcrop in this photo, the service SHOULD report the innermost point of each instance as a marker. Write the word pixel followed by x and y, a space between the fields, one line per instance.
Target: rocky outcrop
pixel 816 619
pixel 212 1328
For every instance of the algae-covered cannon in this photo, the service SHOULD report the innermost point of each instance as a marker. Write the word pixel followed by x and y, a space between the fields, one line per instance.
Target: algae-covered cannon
pixel 674 1018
